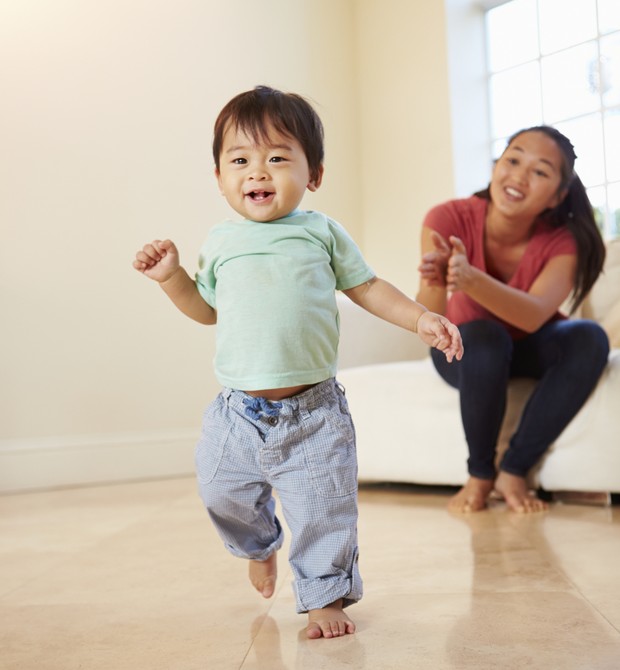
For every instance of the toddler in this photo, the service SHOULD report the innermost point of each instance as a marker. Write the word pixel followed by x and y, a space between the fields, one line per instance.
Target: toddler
pixel 281 421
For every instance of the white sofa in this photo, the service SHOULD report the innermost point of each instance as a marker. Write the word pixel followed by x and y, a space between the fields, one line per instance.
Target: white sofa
pixel 408 422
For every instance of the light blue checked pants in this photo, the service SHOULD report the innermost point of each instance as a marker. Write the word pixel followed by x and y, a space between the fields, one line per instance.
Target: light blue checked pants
pixel 304 448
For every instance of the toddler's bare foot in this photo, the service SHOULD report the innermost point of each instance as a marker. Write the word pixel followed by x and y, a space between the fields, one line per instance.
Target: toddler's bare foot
pixel 472 497
pixel 516 494
pixel 263 575
pixel 330 621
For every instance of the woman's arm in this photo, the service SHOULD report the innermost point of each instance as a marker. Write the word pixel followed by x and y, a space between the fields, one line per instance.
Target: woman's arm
pixel 433 267
pixel 527 311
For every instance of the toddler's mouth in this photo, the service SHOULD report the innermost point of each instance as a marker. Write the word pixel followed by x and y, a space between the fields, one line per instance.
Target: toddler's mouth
pixel 259 196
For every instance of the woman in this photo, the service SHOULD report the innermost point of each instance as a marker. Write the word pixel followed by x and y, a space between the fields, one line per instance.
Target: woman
pixel 499 264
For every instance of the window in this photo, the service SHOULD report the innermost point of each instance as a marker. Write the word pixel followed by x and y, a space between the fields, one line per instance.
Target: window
pixel 558 63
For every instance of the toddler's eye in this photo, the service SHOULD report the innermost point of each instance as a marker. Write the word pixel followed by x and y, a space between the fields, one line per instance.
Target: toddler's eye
pixel 239 161
pixel 276 159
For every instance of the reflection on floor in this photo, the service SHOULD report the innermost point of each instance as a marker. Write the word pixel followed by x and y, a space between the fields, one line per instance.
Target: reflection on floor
pixel 133 576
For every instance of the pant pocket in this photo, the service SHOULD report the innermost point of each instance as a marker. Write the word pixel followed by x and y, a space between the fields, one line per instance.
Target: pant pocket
pixel 213 437
pixel 329 448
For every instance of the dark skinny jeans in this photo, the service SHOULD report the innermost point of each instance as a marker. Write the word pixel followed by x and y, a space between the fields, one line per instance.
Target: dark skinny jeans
pixel 566 357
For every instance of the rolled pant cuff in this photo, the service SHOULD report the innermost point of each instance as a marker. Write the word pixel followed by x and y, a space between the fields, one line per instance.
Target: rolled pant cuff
pixel 517 472
pixel 314 594
pixel 258 555
pixel 482 475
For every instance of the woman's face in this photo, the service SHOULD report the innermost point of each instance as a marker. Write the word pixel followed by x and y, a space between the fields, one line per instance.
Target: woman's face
pixel 526 179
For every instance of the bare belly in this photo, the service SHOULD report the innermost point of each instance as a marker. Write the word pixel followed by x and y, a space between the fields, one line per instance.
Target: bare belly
pixel 279 394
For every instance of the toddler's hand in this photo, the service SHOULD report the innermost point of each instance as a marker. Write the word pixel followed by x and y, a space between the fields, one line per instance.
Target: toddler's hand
pixel 158 260
pixel 436 331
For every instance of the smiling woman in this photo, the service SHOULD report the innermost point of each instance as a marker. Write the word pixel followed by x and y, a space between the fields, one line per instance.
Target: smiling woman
pixel 500 264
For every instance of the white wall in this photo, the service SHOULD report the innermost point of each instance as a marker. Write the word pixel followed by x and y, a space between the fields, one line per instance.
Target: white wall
pixel 405 128
pixel 105 128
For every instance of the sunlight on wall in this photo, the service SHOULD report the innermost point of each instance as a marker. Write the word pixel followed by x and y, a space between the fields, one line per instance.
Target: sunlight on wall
pixel 105 130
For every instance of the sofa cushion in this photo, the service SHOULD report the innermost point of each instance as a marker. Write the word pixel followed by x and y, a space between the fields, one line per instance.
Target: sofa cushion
pixel 409 429
pixel 605 295
pixel 611 324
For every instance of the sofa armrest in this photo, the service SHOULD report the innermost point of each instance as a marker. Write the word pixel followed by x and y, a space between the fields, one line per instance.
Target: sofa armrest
pixel 611 324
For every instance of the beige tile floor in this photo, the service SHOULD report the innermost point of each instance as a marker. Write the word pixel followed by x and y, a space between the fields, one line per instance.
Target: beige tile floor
pixel 133 577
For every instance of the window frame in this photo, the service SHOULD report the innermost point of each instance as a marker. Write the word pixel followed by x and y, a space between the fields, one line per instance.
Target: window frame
pixel 469 80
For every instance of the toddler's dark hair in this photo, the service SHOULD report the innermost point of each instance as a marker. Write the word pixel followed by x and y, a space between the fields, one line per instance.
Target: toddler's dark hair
pixel 289 113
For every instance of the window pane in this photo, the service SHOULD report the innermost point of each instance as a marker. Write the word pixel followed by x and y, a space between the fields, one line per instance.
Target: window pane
pixel 586 134
pixel 613 193
pixel 562 26
pixel 558 62
pixel 498 146
pixel 570 82
pixel 610 69
pixel 515 99
pixel 608 15
pixel 511 34
pixel 612 144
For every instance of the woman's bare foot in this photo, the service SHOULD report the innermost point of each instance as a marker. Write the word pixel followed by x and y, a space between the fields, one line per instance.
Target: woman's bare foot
pixel 263 575
pixel 330 621
pixel 472 497
pixel 516 494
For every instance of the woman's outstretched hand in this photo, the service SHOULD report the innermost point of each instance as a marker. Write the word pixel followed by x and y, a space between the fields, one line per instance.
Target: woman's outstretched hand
pixel 459 273
pixel 434 264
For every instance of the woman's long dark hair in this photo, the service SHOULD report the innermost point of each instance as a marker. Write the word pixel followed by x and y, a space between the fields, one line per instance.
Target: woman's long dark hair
pixel 574 212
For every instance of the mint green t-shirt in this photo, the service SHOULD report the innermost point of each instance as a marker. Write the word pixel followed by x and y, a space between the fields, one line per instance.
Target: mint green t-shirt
pixel 273 285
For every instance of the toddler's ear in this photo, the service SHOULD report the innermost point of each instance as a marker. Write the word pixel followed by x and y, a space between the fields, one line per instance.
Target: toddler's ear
pixel 218 176
pixel 314 184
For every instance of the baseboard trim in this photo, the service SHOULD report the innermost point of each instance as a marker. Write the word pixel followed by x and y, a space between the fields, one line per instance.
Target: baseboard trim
pixel 28 465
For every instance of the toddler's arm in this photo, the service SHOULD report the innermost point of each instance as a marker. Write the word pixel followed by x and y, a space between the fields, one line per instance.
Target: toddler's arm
pixel 159 261
pixel 384 300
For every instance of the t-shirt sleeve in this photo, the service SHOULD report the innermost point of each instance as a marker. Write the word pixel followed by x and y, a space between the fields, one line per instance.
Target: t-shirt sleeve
pixel 205 276
pixel 348 264
pixel 543 246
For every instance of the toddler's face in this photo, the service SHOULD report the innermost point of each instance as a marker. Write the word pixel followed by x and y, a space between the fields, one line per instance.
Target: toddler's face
pixel 264 181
